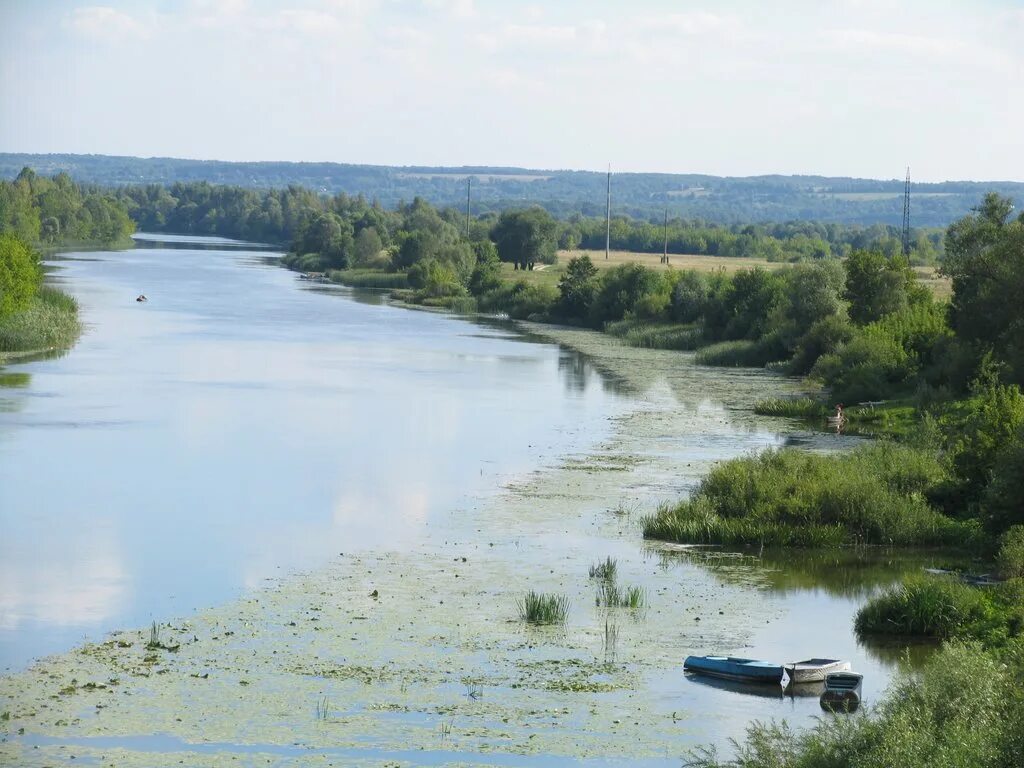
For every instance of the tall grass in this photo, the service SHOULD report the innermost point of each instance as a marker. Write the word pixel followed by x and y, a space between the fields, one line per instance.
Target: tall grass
pixel 653 335
pixel 369 278
pixel 540 608
pixel 50 322
pixel 965 708
pixel 606 570
pixel 750 354
pixel 872 495
pixel 611 595
pixel 796 408
pixel 944 608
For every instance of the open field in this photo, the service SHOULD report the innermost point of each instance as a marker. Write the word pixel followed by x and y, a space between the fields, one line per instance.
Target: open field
pixel 940 286
pixel 551 274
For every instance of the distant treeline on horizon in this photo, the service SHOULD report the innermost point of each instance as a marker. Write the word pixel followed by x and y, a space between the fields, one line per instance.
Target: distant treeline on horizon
pixel 773 198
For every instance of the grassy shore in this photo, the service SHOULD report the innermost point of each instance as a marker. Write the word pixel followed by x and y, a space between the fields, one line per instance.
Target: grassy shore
pixel 874 495
pixel 50 322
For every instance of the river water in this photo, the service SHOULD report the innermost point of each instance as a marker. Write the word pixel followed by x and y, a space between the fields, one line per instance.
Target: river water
pixel 243 425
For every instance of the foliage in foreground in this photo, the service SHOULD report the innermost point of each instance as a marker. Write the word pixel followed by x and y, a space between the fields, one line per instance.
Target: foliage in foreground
pixel 965 708
pixel 49 322
pixel 873 495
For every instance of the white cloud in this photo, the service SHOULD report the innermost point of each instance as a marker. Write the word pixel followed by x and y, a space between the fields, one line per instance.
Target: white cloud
pixel 691 23
pixel 460 9
pixel 101 22
pixel 537 34
pixel 872 40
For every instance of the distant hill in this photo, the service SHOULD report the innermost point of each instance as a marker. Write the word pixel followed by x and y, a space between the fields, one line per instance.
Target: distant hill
pixel 642 195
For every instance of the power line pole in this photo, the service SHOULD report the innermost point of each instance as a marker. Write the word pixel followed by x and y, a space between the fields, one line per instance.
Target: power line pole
pixel 906 216
pixel 469 187
pixel 608 216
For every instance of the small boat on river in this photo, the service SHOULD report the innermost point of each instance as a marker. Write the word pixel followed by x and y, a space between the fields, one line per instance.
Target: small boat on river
pixel 814 670
pixel 842 692
pixel 734 668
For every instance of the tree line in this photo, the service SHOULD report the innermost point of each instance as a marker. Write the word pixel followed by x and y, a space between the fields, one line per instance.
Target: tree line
pixel 58 211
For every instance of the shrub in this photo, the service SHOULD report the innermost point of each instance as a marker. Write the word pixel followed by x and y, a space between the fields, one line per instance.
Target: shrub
pixel 19 275
pixel 1011 553
pixel 520 300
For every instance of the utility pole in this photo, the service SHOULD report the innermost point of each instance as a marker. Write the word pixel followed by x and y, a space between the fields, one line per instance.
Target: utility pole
pixel 608 216
pixel 906 216
pixel 469 187
pixel 664 258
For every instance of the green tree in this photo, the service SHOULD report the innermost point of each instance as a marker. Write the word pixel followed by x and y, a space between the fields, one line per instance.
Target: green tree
pixel 525 237
pixel 985 259
pixel 19 275
pixel 367 247
pixel 876 285
pixel 486 274
pixel 576 288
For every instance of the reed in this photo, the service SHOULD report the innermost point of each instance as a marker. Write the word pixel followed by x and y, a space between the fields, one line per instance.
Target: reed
pixel 540 608
pixel 606 570
pixel 795 408
pixel 50 322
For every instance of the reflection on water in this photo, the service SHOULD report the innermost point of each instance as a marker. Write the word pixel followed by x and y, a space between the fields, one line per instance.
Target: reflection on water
pixel 242 424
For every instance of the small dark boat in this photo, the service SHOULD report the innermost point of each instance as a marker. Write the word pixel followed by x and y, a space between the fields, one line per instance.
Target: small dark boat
pixel 842 692
pixel 141 297
pixel 734 668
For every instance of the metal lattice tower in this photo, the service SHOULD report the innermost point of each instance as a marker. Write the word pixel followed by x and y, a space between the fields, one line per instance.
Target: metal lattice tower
pixel 906 216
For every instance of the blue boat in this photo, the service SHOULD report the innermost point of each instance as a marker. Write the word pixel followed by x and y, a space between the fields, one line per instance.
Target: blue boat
pixel 733 668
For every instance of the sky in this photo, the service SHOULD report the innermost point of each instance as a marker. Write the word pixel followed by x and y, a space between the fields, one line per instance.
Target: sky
pixel 734 87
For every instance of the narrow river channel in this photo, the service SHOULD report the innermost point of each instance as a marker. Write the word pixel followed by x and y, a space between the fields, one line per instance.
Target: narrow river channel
pixel 250 450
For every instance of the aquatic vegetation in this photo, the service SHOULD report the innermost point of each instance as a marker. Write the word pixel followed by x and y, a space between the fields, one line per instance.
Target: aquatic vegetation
pixel 369 278
pixel 797 408
pixel 540 608
pixel 872 495
pixel 654 335
pixel 736 353
pixel 605 570
pixel 944 608
pixel 49 322
pixel 322 708
pixel 611 595
pixel 964 708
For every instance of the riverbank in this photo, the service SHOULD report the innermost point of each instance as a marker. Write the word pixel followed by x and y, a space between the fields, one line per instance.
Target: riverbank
pixel 50 323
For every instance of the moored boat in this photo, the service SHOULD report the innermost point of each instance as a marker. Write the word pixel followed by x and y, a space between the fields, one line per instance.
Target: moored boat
pixel 842 692
pixel 735 668
pixel 814 670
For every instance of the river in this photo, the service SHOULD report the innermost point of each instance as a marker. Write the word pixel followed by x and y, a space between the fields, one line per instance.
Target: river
pixel 245 433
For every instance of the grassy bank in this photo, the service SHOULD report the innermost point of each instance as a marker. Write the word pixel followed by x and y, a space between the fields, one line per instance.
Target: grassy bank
pixel 790 498
pixel 50 322
pixel 965 708
pixel 649 335
pixel 369 278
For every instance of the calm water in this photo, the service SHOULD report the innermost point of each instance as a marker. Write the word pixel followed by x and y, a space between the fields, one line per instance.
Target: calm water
pixel 242 423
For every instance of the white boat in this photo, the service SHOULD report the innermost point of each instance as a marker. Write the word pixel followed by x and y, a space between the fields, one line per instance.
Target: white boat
pixel 814 670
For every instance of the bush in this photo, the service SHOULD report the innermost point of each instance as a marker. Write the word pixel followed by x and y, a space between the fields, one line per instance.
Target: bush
pixel 520 300
pixel 19 275
pixel 873 495
pixel 1011 553
pixel 629 289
